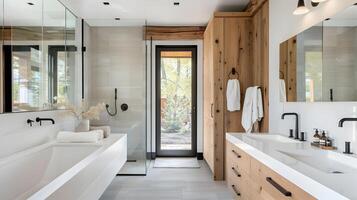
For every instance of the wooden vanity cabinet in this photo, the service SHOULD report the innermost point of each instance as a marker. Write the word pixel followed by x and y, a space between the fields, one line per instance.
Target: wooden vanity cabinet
pixel 249 179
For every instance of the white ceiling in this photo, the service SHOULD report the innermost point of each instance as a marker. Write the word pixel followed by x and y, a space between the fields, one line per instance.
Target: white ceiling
pixel 155 12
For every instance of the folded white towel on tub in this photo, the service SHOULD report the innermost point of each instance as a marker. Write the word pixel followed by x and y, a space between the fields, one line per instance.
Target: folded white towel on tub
pixel 106 130
pixel 80 137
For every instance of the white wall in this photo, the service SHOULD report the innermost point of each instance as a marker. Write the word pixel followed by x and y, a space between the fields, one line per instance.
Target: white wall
pixel 283 25
pixel 116 59
pixel 199 44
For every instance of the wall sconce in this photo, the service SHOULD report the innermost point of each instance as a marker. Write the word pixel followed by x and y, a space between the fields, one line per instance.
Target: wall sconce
pixel 301 8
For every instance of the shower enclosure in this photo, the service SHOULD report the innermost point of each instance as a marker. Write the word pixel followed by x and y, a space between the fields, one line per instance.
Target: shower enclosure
pixel 116 60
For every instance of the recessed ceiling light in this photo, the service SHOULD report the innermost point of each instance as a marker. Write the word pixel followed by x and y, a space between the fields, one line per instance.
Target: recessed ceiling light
pixel 176 3
pixel 117 18
pixel 30 3
pixel 106 3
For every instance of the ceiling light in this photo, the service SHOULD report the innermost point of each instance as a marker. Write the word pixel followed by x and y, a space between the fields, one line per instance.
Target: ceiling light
pixel 30 3
pixel 117 18
pixel 314 4
pixel 301 8
pixel 106 3
pixel 176 3
pixel 318 1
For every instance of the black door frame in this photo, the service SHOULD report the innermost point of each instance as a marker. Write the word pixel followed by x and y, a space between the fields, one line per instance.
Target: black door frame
pixel 176 153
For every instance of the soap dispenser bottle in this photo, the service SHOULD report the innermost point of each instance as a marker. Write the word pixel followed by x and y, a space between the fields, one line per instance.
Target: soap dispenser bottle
pixel 316 137
pixel 323 139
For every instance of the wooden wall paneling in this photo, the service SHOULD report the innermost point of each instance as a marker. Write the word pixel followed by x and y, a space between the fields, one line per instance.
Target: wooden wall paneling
pixel 261 58
pixel 237 47
pixel 174 32
pixel 208 110
pixel 219 139
pixel 283 61
pixel 291 70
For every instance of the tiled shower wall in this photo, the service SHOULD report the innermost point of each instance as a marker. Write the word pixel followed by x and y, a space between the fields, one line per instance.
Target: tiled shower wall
pixel 117 60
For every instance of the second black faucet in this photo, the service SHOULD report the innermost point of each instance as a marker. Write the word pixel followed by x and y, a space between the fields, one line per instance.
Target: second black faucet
pixel 296 122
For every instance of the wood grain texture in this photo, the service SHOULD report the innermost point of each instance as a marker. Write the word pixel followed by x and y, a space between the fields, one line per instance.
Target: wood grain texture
pixel 218 73
pixel 288 68
pixel 208 110
pixel 260 56
pixel 237 54
pixel 174 32
pixel 240 42
pixel 253 174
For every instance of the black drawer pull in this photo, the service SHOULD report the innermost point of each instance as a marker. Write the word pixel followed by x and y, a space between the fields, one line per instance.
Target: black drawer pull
pixel 235 190
pixel 278 187
pixel 235 153
pixel 236 172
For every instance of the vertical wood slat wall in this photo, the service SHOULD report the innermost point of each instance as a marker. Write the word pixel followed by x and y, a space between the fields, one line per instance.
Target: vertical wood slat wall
pixel 238 40
pixel 287 68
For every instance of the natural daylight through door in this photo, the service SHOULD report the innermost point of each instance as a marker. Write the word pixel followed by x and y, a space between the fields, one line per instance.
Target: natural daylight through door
pixel 176 100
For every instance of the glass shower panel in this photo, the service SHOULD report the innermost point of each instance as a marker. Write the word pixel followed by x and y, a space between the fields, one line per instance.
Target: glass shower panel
pixel 117 62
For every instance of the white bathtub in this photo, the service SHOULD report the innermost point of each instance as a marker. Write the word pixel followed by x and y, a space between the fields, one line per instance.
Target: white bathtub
pixel 62 171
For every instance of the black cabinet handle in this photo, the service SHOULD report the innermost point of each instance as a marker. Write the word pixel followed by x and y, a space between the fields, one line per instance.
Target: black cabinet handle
pixel 278 187
pixel 236 172
pixel 235 190
pixel 235 153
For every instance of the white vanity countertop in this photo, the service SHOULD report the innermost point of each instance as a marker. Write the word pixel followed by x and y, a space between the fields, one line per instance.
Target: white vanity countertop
pixel 317 182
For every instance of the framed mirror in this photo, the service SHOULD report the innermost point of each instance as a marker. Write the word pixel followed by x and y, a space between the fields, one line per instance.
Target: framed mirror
pixel 319 64
pixel 38 58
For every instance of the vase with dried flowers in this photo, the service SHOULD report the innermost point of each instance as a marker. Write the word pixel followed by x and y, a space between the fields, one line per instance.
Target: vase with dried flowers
pixel 85 114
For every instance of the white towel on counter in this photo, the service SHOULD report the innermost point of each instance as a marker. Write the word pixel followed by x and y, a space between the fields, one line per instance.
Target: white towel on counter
pixel 233 95
pixel 282 90
pixel 80 137
pixel 106 130
pixel 252 108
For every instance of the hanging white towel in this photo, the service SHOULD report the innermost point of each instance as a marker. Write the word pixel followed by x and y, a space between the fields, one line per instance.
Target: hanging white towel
pixel 233 95
pixel 252 108
pixel 282 90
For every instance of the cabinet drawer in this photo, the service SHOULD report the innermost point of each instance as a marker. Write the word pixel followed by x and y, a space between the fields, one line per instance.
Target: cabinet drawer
pixel 238 158
pixel 240 186
pixel 278 187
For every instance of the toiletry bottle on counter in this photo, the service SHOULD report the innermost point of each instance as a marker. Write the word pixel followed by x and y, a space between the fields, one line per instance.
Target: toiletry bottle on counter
pixel 316 137
pixel 323 139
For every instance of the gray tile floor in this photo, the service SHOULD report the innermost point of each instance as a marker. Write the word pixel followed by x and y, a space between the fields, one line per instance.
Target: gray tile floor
pixel 169 184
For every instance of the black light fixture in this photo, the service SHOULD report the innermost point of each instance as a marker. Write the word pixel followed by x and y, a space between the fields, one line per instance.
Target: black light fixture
pixel 106 3
pixel 30 3
pixel 301 8
pixel 117 18
pixel 176 3
pixel 314 4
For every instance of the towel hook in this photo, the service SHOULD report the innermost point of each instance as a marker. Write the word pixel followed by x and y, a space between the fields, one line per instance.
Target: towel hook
pixel 233 72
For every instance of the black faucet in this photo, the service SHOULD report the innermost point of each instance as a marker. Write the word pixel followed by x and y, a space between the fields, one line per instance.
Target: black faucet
pixel 44 119
pixel 296 122
pixel 340 123
pixel 30 121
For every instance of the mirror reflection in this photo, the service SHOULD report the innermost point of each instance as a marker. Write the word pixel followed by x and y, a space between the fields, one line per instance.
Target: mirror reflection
pixel 38 55
pixel 319 64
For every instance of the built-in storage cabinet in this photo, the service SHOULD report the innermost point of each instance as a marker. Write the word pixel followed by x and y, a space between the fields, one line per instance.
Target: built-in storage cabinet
pixel 249 179
pixel 236 40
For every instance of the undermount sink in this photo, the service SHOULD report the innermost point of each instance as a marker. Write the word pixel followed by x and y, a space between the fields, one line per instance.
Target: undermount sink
pixel 271 138
pixel 325 161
